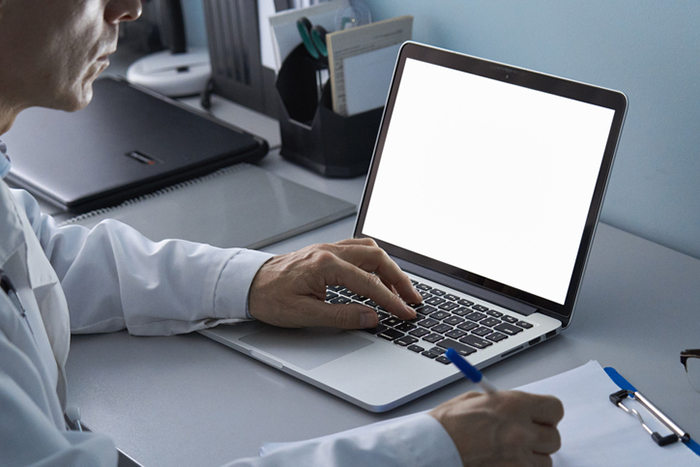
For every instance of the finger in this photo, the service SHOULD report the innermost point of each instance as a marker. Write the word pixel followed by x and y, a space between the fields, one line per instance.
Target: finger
pixel 375 260
pixel 370 285
pixel 350 316
pixel 547 439
pixel 541 460
pixel 546 410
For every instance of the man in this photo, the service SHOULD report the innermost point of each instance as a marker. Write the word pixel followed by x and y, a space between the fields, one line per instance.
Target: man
pixel 71 279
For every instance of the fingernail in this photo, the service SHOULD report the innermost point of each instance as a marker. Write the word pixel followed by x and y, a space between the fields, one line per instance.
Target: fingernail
pixel 411 310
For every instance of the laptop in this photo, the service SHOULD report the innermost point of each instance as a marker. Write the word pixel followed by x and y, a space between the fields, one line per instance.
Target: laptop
pixel 485 186
pixel 127 142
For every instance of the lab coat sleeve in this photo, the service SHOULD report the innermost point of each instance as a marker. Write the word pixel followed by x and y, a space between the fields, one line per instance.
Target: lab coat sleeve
pixel 114 278
pixel 413 441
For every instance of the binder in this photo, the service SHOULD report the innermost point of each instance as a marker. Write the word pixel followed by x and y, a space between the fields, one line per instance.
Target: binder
pixel 239 206
pixel 127 142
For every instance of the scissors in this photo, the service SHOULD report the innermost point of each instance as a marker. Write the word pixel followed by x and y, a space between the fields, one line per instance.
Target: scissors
pixel 313 37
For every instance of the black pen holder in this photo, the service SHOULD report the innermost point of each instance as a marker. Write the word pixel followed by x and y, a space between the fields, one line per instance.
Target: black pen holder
pixel 314 136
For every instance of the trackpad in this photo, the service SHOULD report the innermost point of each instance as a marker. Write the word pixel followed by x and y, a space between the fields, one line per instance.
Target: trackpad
pixel 306 348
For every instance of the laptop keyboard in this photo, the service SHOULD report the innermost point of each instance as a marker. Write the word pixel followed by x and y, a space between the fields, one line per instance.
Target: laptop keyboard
pixel 443 320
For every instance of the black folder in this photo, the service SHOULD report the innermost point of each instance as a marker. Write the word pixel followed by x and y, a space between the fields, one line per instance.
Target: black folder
pixel 127 142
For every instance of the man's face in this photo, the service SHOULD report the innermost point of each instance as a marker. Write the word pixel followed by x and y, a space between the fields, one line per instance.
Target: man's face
pixel 52 50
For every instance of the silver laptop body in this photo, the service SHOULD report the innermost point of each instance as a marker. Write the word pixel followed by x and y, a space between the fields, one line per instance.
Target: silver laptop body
pixel 485 186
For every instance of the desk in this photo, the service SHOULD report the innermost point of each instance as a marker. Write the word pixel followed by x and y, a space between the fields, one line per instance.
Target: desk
pixel 186 400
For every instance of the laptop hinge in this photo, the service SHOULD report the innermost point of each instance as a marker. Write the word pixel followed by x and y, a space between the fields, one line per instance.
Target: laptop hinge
pixel 471 289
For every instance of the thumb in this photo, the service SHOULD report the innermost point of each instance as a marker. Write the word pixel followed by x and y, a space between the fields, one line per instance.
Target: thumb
pixel 343 316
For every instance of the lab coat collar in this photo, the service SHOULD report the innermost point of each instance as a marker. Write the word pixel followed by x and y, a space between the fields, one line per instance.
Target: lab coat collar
pixel 12 238
pixel 18 233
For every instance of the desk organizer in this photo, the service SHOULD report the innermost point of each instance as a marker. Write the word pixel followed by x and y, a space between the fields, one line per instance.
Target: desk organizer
pixel 313 135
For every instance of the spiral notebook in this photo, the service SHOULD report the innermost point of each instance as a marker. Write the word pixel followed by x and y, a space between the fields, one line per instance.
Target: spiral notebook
pixel 238 206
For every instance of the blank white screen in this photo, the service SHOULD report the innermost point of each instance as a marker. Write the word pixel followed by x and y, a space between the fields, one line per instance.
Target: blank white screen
pixel 489 177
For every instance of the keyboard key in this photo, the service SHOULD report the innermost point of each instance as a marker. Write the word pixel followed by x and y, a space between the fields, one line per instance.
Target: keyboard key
pixel 392 321
pixel 433 338
pixel 453 320
pixel 335 288
pixel 380 327
pixel 416 348
pixel 508 329
pixel 382 315
pixel 468 326
pixel 330 295
pixel 419 332
pixel 439 315
pixel 405 327
pixel 480 308
pixel 451 297
pixel 444 360
pixel 405 341
pixel 435 301
pixel 489 322
pixel 425 294
pixel 496 337
pixel 524 324
pixel 371 303
pixel 430 354
pixel 482 331
pixel 448 306
pixel 346 292
pixel 475 316
pixel 424 287
pixel 461 311
pixel 441 328
pixel 428 322
pixel 462 349
pixel 509 319
pixel 438 292
pixel 494 313
pixel 390 334
pixel 474 341
pixel 425 309
pixel 455 334
pixel 340 300
pixel 465 302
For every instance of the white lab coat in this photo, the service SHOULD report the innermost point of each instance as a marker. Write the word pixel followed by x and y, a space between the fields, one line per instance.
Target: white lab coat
pixel 111 278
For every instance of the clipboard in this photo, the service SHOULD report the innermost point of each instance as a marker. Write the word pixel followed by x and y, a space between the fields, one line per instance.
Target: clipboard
pixel 628 390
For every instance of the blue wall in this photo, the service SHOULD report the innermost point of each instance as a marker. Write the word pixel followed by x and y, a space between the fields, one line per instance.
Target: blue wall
pixel 648 49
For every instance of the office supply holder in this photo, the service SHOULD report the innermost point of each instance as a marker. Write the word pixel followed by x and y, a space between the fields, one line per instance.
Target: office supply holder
pixel 313 135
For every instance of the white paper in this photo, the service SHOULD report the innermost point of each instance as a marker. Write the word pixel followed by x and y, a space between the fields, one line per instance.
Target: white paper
pixel 266 8
pixel 285 34
pixel 596 433
pixel 361 62
pixel 369 90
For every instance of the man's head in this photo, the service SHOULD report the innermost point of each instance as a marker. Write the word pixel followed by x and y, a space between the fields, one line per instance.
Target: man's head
pixel 52 50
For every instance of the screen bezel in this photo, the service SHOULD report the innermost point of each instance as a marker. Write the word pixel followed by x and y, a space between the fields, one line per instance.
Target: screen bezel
pixel 607 98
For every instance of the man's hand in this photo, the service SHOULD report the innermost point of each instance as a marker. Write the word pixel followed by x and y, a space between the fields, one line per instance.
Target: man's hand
pixel 290 290
pixel 508 428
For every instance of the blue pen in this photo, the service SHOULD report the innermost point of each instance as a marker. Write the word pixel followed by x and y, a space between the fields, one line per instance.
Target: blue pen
pixel 469 371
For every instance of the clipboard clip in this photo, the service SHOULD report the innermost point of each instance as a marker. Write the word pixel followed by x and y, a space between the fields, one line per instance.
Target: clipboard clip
pixel 677 433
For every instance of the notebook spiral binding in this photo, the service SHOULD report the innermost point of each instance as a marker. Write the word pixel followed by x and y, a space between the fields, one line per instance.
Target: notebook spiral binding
pixel 155 194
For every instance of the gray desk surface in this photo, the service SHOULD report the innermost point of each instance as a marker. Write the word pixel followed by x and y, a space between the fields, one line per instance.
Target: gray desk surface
pixel 186 400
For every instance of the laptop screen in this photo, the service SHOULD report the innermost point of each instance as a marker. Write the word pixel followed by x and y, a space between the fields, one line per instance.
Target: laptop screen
pixel 487 177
